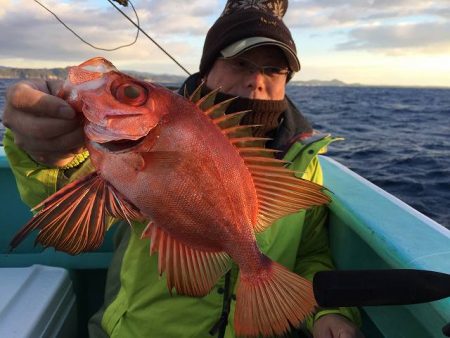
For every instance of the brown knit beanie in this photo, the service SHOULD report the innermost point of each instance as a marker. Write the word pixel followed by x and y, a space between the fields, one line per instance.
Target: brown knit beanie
pixel 259 20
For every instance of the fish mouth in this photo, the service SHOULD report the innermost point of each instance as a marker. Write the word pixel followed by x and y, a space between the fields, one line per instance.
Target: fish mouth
pixel 120 146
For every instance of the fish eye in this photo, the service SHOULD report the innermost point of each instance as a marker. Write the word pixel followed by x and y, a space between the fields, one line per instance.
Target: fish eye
pixel 129 93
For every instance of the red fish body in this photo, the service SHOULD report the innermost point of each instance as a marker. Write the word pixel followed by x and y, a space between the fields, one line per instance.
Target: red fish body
pixel 179 184
pixel 204 184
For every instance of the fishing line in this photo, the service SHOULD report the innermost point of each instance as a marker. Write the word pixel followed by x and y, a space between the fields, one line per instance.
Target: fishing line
pixel 137 25
pixel 143 32
pixel 89 44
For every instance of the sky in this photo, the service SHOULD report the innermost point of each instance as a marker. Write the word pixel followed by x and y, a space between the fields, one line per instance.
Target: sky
pixel 372 42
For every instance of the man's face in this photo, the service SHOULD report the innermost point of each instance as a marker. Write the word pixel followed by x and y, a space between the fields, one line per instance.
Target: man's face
pixel 240 76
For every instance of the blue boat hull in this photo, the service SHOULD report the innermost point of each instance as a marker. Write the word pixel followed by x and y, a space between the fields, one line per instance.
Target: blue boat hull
pixel 371 229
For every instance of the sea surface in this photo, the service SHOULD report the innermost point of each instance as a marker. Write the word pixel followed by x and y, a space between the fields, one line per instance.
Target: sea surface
pixel 397 138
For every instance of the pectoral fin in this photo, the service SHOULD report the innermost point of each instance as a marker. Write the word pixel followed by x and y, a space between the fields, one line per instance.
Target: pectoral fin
pixel 74 219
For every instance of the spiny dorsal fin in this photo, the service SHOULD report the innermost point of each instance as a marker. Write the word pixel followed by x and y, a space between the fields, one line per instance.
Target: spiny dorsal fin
pixel 219 109
pixel 230 120
pixel 185 92
pixel 256 151
pixel 279 192
pixel 208 100
pixel 206 103
pixel 239 131
pixel 196 95
pixel 249 141
pixel 264 161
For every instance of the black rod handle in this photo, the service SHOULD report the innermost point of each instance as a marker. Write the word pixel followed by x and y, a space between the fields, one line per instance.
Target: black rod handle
pixel 379 287
pixel 446 330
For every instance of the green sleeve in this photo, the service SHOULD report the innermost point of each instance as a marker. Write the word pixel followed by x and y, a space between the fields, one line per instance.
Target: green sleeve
pixel 314 255
pixel 35 181
pixel 314 252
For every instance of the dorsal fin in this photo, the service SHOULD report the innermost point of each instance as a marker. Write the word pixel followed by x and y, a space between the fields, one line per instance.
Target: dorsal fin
pixel 196 95
pixel 230 120
pixel 279 192
pixel 238 130
pixel 185 92
pixel 256 151
pixel 208 100
pixel 249 142
pixel 218 110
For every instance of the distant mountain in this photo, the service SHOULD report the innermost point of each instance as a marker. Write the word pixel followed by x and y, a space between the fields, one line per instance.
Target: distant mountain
pixel 319 83
pixel 61 73
pixel 30 73
pixel 160 78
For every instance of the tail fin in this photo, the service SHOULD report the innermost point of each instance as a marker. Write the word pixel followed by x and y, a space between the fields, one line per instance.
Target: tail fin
pixel 273 303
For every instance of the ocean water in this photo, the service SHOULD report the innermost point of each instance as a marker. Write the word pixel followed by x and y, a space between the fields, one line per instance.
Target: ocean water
pixel 397 138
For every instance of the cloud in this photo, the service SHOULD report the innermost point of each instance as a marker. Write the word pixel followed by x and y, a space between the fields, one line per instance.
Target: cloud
pixel 34 34
pixel 442 12
pixel 184 18
pixel 391 26
pixel 180 8
pixel 32 37
pixel 406 37
pixel 340 13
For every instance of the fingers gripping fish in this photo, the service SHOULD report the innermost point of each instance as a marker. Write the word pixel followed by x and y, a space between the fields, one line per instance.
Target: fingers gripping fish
pixel 203 182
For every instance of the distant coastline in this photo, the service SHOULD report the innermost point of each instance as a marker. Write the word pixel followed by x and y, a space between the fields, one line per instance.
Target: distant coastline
pixel 61 73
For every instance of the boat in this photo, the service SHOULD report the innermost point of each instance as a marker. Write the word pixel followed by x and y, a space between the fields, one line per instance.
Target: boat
pixel 369 229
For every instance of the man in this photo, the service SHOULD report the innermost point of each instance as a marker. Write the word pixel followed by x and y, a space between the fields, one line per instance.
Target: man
pixel 248 53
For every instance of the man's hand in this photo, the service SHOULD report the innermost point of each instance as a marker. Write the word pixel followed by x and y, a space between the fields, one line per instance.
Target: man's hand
pixel 335 326
pixel 44 125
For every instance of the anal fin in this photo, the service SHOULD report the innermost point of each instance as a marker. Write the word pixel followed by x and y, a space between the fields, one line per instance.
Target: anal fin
pixel 190 271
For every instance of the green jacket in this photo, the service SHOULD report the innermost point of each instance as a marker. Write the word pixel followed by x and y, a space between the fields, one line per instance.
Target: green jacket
pixel 137 301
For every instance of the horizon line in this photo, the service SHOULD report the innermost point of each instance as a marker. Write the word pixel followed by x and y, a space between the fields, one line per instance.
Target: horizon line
pixel 343 83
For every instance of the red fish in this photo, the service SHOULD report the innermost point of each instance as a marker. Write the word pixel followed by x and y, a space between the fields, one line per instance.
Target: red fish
pixel 204 184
